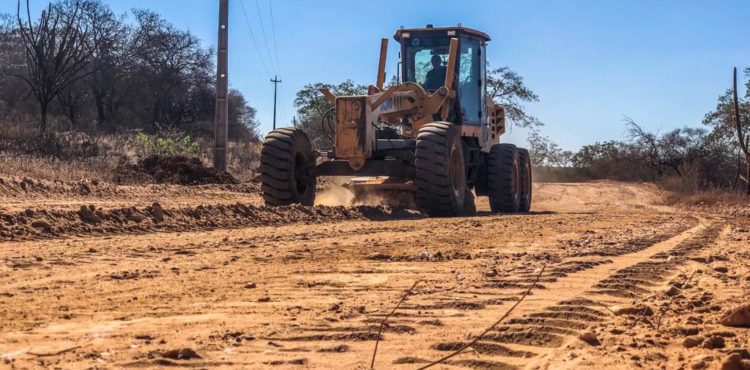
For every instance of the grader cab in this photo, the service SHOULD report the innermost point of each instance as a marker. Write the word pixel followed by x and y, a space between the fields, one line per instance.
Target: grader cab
pixel 434 135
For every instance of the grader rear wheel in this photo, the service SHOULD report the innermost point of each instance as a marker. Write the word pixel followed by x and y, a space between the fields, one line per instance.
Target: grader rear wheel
pixel 287 168
pixel 504 178
pixel 525 178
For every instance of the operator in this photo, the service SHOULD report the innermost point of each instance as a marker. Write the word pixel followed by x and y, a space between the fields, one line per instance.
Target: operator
pixel 436 76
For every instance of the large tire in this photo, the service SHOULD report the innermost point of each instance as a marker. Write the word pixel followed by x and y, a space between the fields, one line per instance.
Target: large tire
pixel 440 170
pixel 287 168
pixel 526 183
pixel 503 178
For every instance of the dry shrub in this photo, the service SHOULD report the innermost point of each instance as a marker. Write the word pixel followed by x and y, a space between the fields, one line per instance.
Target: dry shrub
pixel 244 160
pixel 683 185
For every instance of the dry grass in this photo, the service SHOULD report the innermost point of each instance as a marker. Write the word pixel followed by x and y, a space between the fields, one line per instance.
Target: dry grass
pixel 75 156
pixel 48 168
pixel 243 158
pixel 687 192
pixel 708 197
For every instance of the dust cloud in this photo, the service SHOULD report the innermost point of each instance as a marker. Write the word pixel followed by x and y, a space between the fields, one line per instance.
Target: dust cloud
pixel 335 195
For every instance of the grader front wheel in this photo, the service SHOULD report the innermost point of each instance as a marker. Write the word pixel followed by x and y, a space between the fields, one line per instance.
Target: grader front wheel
pixel 287 168
pixel 440 171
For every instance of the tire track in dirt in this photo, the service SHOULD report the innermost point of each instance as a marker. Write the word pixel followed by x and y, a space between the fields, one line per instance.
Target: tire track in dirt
pixel 314 295
pixel 523 339
pixel 553 324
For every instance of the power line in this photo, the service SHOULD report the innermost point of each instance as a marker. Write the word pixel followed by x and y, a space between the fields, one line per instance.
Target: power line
pixel 281 104
pixel 255 42
pixel 271 58
pixel 265 37
pixel 283 114
pixel 273 34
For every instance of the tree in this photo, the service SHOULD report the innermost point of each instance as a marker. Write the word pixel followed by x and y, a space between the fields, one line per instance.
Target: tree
pixel 111 64
pixel 312 107
pixel 146 74
pixel 588 155
pixel 545 152
pixel 725 133
pixel 172 72
pixel 506 88
pixel 647 144
pixel 242 122
pixel 13 91
pixel 58 51
pixel 681 148
pixel 678 150
pixel 72 100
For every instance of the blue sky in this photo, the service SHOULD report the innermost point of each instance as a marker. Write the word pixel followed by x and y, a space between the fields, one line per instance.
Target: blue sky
pixel 663 63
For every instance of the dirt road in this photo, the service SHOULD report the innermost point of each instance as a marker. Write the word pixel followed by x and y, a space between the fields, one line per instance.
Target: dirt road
pixel 250 290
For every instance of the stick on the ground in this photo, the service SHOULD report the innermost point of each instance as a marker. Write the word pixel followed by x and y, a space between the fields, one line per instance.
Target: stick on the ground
pixel 480 336
pixel 603 305
pixel 382 323
pixel 669 305
pixel 60 352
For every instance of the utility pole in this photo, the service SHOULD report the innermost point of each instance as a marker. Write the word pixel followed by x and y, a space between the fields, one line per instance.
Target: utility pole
pixel 222 90
pixel 276 83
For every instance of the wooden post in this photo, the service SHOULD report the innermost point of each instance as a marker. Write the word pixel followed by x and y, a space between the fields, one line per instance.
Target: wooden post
pixel 450 74
pixel 221 132
pixel 276 83
pixel 381 65
pixel 740 134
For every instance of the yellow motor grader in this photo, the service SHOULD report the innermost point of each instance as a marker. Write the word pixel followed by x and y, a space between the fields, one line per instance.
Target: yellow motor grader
pixel 435 134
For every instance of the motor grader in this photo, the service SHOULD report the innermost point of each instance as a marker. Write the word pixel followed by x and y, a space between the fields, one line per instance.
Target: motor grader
pixel 434 135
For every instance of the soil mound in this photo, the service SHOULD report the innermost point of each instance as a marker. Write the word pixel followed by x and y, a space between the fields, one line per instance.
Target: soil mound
pixel 32 224
pixel 179 170
pixel 15 187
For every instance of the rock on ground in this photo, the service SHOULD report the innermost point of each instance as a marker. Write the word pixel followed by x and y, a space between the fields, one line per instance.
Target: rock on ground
pixel 737 317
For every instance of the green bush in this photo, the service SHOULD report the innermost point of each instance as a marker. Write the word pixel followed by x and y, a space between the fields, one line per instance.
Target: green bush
pixel 168 145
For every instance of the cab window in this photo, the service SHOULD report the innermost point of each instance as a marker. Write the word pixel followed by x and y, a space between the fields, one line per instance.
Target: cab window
pixel 426 60
pixel 470 81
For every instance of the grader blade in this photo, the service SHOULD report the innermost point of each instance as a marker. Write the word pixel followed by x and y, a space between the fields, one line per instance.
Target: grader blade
pixel 382 190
